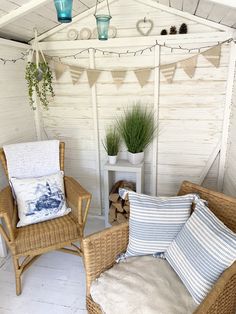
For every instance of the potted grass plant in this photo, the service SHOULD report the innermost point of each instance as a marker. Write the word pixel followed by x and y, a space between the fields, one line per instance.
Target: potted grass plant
pixel 111 144
pixel 137 128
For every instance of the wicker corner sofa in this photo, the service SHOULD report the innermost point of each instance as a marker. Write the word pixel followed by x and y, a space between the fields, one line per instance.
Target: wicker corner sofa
pixel 100 250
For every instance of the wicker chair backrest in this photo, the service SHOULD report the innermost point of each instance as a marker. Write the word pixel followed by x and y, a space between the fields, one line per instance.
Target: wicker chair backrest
pixel 224 207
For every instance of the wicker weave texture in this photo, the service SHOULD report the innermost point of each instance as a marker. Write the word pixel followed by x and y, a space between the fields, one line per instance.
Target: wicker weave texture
pixel 224 207
pixel 33 240
pixel 34 237
pixel 101 249
pixel 92 307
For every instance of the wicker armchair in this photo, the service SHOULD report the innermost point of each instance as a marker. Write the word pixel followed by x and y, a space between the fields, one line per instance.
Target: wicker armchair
pixel 101 249
pixel 33 240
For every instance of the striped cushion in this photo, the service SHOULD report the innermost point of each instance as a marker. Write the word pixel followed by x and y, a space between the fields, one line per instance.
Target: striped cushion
pixel 203 249
pixel 155 222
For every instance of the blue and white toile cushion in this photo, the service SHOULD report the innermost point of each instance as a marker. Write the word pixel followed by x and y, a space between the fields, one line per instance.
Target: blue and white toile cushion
pixel 203 249
pixel 155 222
pixel 40 199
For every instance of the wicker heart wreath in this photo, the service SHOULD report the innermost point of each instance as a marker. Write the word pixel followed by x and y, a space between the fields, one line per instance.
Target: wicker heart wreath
pixel 144 23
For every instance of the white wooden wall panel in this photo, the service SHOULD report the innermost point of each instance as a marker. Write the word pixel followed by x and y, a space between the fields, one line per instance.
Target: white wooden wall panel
pixel 70 119
pixel 16 118
pixel 43 17
pixel 190 110
pixel 191 113
pixel 230 175
pixel 125 21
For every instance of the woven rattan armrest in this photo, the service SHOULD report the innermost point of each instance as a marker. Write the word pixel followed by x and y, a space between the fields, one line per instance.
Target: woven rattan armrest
pixel 78 199
pixel 222 297
pixel 7 213
pixel 101 249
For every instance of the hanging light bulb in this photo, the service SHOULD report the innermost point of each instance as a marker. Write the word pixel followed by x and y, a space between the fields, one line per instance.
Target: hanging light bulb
pixel 103 22
pixel 64 9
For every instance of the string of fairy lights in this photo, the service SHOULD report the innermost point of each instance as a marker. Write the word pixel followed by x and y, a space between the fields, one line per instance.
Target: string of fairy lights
pixel 22 57
pixel 134 53
pixel 138 51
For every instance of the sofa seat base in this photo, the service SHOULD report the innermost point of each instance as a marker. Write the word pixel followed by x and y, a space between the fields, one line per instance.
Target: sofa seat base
pixel 144 285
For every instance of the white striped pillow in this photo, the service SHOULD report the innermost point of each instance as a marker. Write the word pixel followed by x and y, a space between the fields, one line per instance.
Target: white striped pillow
pixel 155 222
pixel 203 249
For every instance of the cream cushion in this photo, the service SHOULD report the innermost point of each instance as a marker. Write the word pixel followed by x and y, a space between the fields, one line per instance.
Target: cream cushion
pixel 142 285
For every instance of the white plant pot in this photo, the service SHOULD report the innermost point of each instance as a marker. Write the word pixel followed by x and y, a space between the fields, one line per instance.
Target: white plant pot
pixel 112 160
pixel 135 159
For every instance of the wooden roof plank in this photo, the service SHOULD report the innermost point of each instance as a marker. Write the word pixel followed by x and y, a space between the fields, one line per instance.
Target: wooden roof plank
pixel 21 11
pixel 218 12
pixel 204 8
pixel 164 2
pixel 230 18
pixel 190 6
pixel 8 6
pixel 186 15
pixel 176 4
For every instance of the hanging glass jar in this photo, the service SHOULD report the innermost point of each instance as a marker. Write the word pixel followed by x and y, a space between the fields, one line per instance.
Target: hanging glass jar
pixel 64 9
pixel 103 22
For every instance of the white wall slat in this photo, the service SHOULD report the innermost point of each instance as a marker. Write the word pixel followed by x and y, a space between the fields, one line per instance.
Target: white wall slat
pixel 229 186
pixel 227 113
pixel 16 118
pixel 190 110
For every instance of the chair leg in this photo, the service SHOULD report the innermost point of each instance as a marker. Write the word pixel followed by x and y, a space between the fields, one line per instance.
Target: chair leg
pixel 17 275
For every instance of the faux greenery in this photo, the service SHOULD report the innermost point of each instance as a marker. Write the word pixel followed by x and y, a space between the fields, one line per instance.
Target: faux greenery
pixel 111 142
pixel 39 80
pixel 137 128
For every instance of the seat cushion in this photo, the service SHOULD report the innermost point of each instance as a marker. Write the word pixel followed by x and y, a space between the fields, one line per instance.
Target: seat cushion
pixel 47 233
pixel 144 285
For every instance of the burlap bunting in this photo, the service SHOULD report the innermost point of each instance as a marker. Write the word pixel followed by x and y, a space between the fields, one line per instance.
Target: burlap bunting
pixel 213 55
pixel 143 76
pixel 118 77
pixel 75 73
pixel 59 69
pixel 189 65
pixel 93 76
pixel 168 70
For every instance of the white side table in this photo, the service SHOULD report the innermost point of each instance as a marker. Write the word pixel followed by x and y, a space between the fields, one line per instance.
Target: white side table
pixel 121 166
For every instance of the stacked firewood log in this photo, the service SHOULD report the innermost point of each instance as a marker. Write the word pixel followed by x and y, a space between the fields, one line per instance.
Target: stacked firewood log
pixel 119 208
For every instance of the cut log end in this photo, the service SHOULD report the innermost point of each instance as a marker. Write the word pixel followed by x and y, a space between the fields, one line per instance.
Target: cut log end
pixel 119 208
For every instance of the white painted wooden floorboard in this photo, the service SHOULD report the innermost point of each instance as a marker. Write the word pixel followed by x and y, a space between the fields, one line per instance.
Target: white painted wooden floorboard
pixel 54 284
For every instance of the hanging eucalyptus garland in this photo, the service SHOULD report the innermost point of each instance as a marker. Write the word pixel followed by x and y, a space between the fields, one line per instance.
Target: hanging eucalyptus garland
pixel 39 80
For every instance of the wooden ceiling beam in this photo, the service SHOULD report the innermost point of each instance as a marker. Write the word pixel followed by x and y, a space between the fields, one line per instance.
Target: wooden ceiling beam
pixel 21 11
